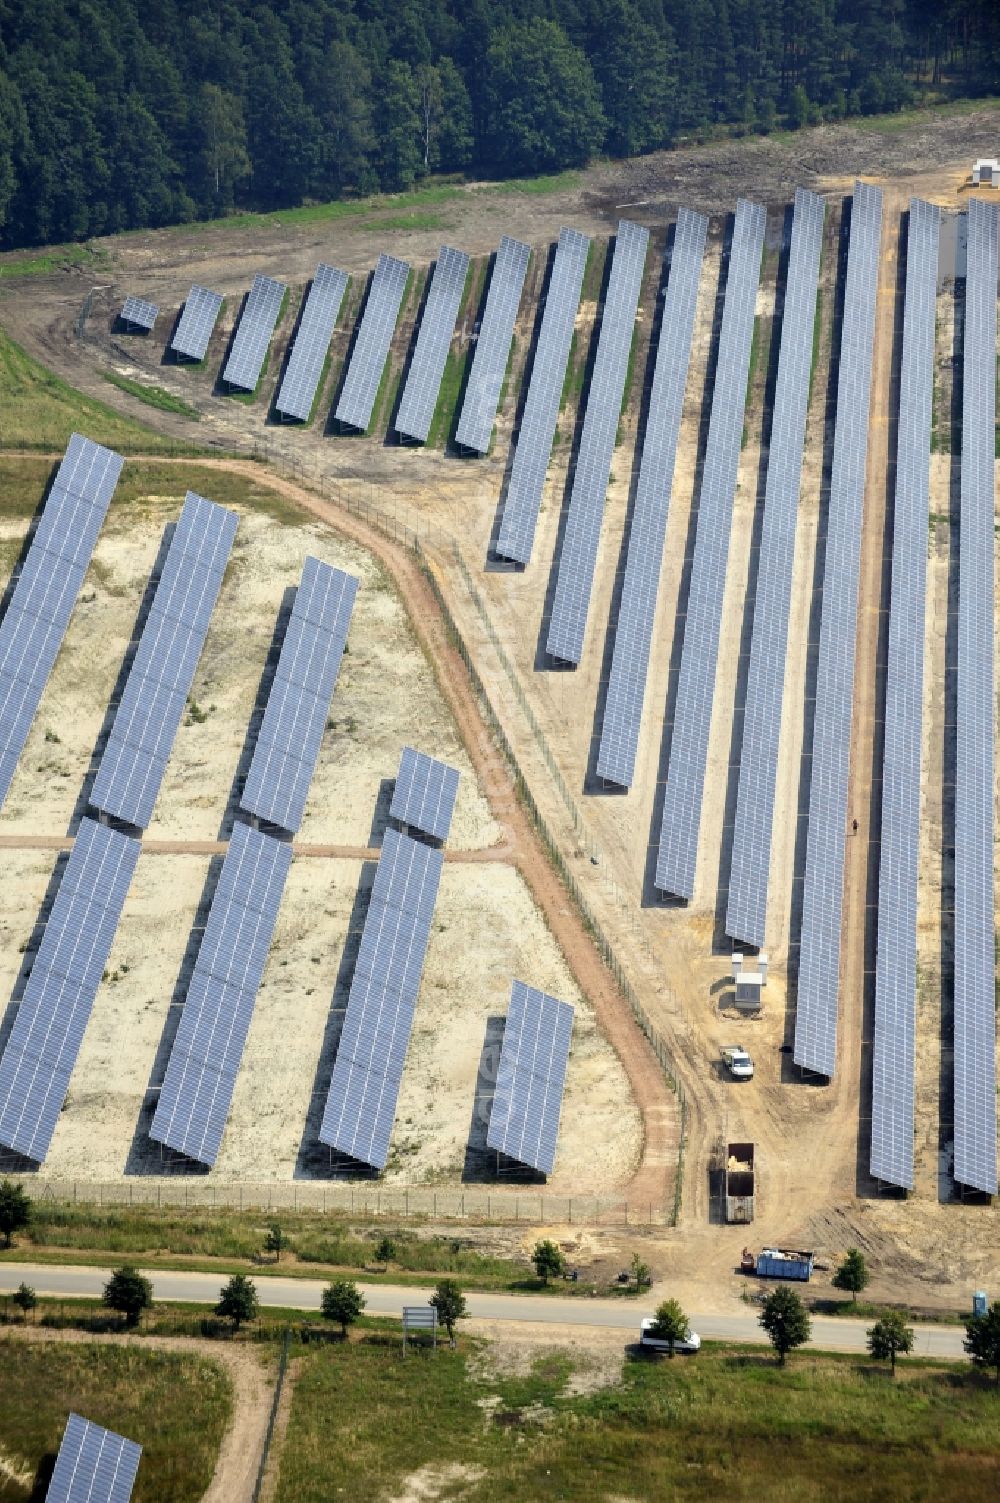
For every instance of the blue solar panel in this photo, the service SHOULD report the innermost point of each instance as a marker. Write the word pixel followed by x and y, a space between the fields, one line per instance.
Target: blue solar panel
pixel 531 1078
pixel 746 912
pixel 205 1059
pixel 32 630
pixel 823 888
pixel 893 1057
pixel 94 1465
pixel 541 408
pixel 364 1088
pixel 489 364
pixel 578 559
pixel 634 629
pixel 678 843
pixel 288 743
pixel 312 341
pixel 246 358
pixel 425 792
pixel 55 1009
pixel 194 329
pixel 371 348
pixel 152 705
pixel 975 937
pixel 138 313
pixel 423 382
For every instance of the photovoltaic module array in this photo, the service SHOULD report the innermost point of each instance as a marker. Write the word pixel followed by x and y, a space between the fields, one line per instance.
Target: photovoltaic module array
pixel 288 742
pixel 489 363
pixel 578 559
pixel 204 1062
pixel 677 852
pixel 138 313
pixel 975 941
pixel 371 348
pixel 94 1465
pixel 249 351
pixel 818 989
pixel 424 795
pixel 194 329
pixel 53 1014
pixel 361 1104
pixel 153 703
pixel 746 911
pixel 312 341
pixel 42 602
pixel 541 407
pixel 531 1078
pixel 423 381
pixel 894 1053
pixel 637 611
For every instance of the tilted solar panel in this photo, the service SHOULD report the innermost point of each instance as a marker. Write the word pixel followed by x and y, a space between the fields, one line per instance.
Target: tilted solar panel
pixel 364 1088
pixel 94 1465
pixel 140 314
pixel 578 559
pixel 55 1009
pixel 677 852
pixel 371 348
pixel 634 628
pixel 975 939
pixel 194 328
pixel 823 887
pixel 249 351
pixel 42 602
pixel 424 795
pixel 153 702
pixel 204 1062
pixel 423 381
pixel 316 326
pixel 489 363
pixel 531 1078
pixel 746 911
pixel 893 1056
pixel 288 743
pixel 541 409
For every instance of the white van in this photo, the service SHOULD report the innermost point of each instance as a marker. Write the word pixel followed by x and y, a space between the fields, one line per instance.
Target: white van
pixel 657 1344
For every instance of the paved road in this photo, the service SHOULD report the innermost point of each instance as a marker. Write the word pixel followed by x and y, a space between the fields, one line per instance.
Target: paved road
pixel 388 1299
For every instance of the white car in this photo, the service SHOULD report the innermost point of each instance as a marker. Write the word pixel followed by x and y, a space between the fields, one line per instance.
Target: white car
pixel 738 1062
pixel 657 1344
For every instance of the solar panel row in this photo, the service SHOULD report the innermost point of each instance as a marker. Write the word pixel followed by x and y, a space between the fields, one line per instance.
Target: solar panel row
pixel 424 795
pixel 423 381
pixel 541 409
pixel 975 943
pixel 152 705
pixel 746 911
pixel 42 602
pixel 288 743
pixel 361 1104
pixel 138 313
pixel 489 363
pixel 312 341
pixel 204 1062
pixel 578 559
pixel 815 1045
pixel 357 398
pixel 531 1078
pixel 246 358
pixel 55 1009
pixel 94 1465
pixel 677 851
pixel 893 1059
pixel 194 328
pixel 640 588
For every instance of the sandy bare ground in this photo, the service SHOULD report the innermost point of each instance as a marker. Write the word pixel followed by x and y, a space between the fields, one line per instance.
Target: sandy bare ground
pixel 252 1384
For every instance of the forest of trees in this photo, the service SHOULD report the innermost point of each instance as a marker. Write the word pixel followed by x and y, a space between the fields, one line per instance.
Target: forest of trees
pixel 116 115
